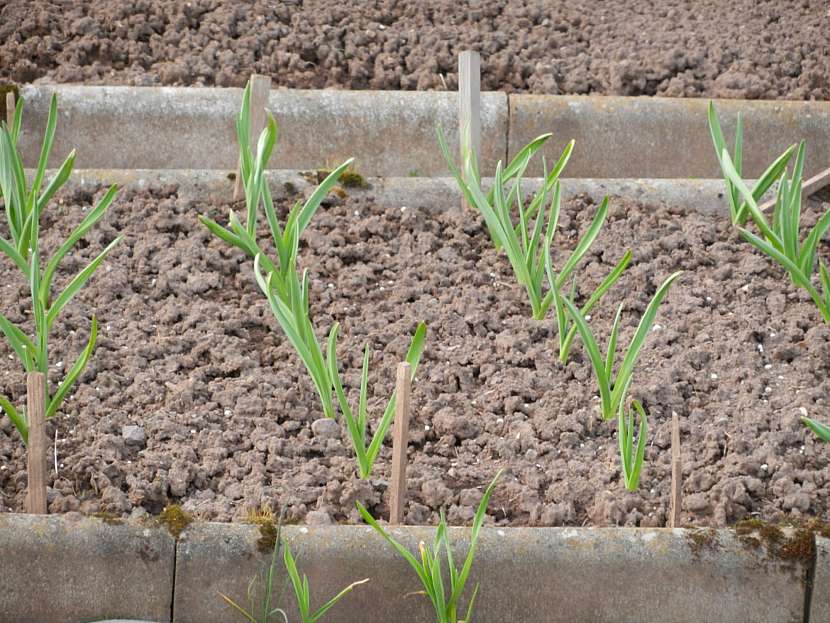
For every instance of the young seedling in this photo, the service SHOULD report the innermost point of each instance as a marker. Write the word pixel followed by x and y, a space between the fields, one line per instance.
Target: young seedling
pixel 821 430
pixel 614 388
pixel 526 248
pixel 357 426
pixel 302 592
pixel 565 329
pixel 740 209
pixel 24 205
pixel 780 239
pixel 429 567
pixel 282 280
pixel 323 370
pixel 268 608
pixel 631 459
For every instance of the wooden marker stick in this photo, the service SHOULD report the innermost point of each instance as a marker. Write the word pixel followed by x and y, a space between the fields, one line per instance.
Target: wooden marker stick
pixel 810 187
pixel 260 87
pixel 469 110
pixel 676 473
pixel 400 440
pixel 10 106
pixel 38 444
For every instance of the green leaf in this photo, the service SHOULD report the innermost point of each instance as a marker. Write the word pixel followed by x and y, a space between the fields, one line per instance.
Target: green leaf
pixel 594 355
pixel 585 243
pixel 795 271
pixel 73 374
pixel 821 431
pixel 627 367
pixel 79 232
pixel 78 282
pixel 319 194
pixel 20 343
pixel 17 419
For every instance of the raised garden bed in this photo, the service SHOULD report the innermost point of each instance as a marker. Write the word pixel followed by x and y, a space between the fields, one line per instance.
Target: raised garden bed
pixel 189 352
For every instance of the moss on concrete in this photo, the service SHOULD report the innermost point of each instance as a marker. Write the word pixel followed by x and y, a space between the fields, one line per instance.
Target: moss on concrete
pixel 174 519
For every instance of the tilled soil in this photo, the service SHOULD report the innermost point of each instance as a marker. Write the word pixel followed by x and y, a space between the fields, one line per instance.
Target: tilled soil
pixel 229 421
pixel 706 48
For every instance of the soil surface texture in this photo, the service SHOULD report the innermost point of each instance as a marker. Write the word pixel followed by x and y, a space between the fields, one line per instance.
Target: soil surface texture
pixel 194 396
pixel 707 48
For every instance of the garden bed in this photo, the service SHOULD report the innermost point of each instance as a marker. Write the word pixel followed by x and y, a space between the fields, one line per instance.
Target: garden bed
pixel 189 353
pixel 702 49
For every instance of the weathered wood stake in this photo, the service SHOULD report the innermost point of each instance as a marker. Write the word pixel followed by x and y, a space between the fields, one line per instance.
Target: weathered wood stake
pixel 469 110
pixel 400 440
pixel 260 87
pixel 810 187
pixel 10 106
pixel 38 444
pixel 676 473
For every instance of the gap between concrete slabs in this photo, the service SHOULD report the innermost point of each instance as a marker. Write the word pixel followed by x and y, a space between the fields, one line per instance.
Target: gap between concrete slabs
pixel 392 133
pixel 432 194
pixel 61 569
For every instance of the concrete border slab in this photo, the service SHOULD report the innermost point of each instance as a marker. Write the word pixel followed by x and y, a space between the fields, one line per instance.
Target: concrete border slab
pixel 820 598
pixel 657 137
pixel 435 194
pixel 388 132
pixel 392 133
pixel 75 569
pixel 549 575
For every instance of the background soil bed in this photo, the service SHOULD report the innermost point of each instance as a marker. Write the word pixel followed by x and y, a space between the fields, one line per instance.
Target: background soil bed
pixel 742 49
pixel 189 353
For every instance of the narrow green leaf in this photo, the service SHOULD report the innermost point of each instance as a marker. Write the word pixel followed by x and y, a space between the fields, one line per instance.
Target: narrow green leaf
pixel 17 419
pixel 78 282
pixel 69 380
pixel 821 431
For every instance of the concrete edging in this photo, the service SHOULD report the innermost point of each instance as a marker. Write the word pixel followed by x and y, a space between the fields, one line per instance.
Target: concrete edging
pixel 71 568
pixel 432 194
pixel 94 569
pixel 392 133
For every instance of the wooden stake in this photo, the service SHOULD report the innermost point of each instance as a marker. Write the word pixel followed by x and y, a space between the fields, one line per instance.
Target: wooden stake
pixel 810 187
pixel 10 106
pixel 260 87
pixel 38 444
pixel 400 440
pixel 469 110
pixel 676 473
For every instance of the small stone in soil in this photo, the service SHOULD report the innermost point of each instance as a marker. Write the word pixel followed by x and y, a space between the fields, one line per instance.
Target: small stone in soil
pixel 133 435
pixel 325 428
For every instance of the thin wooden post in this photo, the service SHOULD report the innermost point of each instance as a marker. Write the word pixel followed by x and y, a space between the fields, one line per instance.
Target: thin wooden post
pixel 676 473
pixel 809 187
pixel 400 440
pixel 260 87
pixel 38 444
pixel 10 106
pixel 469 111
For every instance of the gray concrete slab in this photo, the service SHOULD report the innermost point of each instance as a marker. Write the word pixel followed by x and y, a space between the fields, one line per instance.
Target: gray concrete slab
pixel 392 133
pixel 75 569
pixel 820 599
pixel 654 137
pixel 548 575
pixel 388 132
pixel 434 194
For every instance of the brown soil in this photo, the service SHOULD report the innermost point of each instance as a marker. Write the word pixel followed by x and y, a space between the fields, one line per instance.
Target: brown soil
pixel 706 48
pixel 189 351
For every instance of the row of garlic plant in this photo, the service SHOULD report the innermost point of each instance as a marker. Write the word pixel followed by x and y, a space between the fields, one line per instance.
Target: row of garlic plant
pixel 780 238
pixel 25 203
pixel 288 293
pixel 530 256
